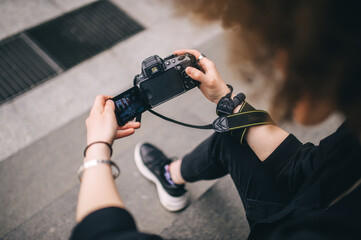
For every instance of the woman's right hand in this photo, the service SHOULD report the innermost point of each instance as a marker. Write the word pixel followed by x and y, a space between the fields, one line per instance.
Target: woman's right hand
pixel 212 85
pixel 102 124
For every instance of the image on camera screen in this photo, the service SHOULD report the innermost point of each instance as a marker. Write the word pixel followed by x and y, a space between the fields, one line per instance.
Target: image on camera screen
pixel 128 105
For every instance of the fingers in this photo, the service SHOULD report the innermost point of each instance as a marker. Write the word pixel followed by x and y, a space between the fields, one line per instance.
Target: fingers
pixel 205 63
pixel 196 53
pixel 127 130
pixel 98 106
pixel 196 74
pixel 124 133
pixel 134 125
pixel 109 106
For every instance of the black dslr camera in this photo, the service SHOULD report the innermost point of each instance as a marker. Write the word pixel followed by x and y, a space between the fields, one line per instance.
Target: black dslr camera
pixel 159 81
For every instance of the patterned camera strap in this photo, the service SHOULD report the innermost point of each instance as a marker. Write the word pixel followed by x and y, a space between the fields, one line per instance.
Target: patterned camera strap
pixel 239 123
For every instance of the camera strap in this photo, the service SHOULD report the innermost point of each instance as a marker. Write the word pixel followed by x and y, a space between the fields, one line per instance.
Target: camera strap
pixel 236 123
pixel 246 117
pixel 209 126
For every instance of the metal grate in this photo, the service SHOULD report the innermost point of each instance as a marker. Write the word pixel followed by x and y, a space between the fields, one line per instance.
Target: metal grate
pixel 30 58
pixel 81 34
pixel 21 68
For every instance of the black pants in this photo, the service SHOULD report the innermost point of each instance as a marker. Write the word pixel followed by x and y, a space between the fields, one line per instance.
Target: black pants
pixel 221 154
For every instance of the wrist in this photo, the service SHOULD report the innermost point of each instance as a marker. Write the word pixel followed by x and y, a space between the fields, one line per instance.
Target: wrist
pixel 230 103
pixel 223 93
pixel 236 109
pixel 98 151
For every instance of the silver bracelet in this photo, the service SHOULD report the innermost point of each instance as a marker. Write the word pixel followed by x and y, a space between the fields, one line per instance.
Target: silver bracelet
pixel 95 162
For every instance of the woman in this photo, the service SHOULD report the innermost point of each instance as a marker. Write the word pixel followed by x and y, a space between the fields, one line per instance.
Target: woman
pixel 290 190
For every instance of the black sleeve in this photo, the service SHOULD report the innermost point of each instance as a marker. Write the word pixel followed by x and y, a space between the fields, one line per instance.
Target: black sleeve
pixel 292 162
pixel 317 228
pixel 341 221
pixel 109 223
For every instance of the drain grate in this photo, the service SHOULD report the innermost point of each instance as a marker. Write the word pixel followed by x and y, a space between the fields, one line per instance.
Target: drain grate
pixel 37 54
pixel 80 34
pixel 21 68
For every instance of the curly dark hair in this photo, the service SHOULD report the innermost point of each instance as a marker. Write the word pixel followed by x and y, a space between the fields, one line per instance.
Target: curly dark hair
pixel 321 38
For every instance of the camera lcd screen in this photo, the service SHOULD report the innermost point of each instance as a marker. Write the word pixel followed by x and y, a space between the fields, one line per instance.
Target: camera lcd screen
pixel 162 87
pixel 128 105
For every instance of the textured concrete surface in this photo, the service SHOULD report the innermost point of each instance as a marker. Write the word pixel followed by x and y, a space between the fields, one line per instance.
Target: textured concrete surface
pixel 149 13
pixel 53 222
pixel 16 15
pixel 28 177
pixel 68 5
pixel 42 132
pixel 218 214
pixel 42 173
pixel 54 103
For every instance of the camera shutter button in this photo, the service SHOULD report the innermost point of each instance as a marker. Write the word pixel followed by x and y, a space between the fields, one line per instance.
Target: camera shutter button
pixel 181 58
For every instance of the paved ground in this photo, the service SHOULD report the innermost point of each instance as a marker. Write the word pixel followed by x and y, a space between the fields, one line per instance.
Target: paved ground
pixel 42 132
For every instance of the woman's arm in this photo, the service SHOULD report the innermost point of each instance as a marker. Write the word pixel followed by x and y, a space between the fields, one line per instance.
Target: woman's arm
pixel 264 139
pixel 97 189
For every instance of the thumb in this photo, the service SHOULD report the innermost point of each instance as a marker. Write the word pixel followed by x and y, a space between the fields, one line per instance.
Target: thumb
pixel 109 106
pixel 196 74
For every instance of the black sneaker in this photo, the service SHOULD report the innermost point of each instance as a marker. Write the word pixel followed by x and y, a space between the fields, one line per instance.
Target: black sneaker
pixel 151 162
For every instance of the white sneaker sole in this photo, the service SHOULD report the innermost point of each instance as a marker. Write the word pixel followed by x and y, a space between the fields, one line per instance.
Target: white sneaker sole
pixel 169 202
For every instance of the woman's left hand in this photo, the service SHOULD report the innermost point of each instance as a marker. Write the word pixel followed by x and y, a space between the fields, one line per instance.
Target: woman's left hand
pixel 102 124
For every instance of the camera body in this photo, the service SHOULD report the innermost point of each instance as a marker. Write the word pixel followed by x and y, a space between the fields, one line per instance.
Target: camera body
pixel 159 81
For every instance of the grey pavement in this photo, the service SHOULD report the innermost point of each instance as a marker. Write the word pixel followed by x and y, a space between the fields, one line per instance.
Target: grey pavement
pixel 219 214
pixel 36 113
pixel 42 132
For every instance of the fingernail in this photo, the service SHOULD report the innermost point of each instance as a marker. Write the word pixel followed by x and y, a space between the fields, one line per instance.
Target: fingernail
pixel 188 70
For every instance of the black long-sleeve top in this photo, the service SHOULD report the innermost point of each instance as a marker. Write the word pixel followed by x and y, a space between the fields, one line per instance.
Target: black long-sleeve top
pixel 326 183
pixel 324 180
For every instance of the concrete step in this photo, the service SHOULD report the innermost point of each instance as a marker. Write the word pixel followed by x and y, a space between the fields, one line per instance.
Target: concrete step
pixel 42 133
pixel 38 184
pixel 217 214
pixel 47 107
pixel 42 177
